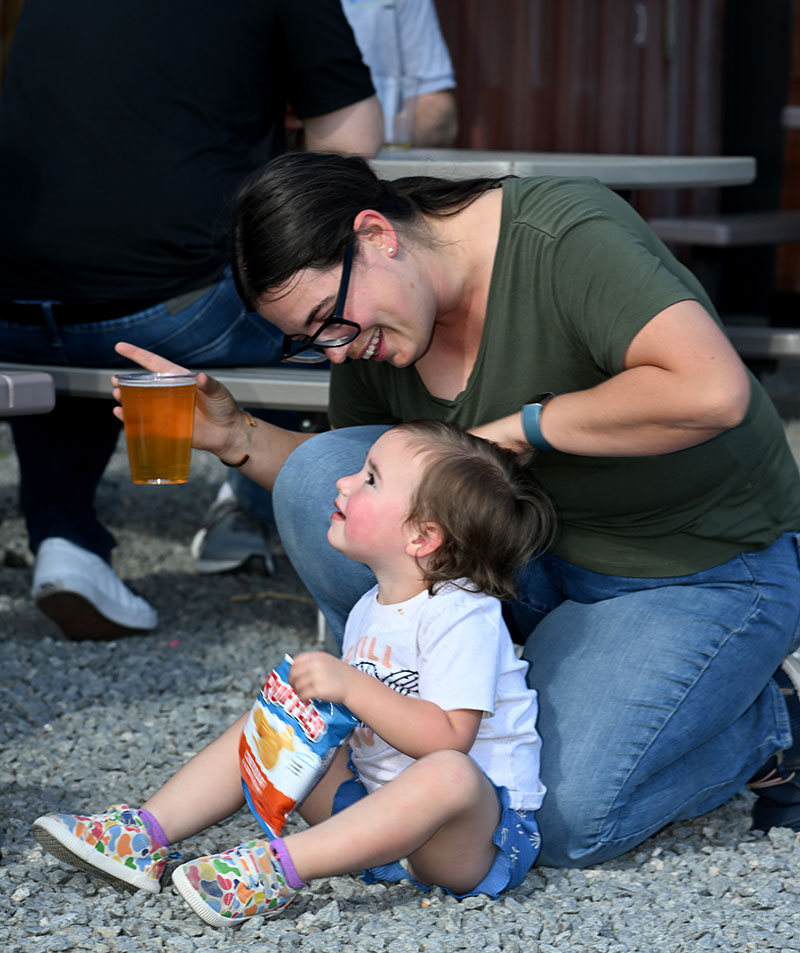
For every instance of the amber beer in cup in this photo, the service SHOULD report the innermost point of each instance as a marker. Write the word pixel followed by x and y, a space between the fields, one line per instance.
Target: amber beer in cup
pixel 158 410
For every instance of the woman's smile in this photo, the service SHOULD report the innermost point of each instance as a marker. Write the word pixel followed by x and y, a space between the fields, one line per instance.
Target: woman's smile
pixel 372 345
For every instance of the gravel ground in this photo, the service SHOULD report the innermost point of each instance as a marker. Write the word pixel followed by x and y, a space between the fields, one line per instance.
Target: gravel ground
pixel 85 725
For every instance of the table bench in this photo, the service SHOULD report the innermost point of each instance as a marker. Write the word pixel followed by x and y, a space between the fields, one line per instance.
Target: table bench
pixel 757 342
pixel 290 388
pixel 753 342
pixel 743 229
pixel 278 388
pixel 25 392
pixel 725 231
pixel 622 172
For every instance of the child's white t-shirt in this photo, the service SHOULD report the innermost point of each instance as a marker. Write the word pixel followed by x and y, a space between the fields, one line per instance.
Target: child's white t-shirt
pixel 453 649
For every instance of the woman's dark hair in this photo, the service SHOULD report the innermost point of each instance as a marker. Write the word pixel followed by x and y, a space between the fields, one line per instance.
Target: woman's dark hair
pixel 493 516
pixel 297 212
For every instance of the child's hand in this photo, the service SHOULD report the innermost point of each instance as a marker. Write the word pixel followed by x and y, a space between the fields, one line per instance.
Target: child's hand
pixel 320 675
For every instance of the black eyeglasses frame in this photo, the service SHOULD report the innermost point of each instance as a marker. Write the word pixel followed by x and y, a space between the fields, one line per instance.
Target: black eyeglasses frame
pixel 292 346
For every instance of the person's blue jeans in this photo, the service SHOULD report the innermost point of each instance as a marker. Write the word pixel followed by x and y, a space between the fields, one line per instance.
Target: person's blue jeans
pixel 62 455
pixel 656 698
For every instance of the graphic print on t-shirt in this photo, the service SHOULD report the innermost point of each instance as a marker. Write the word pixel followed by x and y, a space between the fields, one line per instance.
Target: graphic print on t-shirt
pixel 404 681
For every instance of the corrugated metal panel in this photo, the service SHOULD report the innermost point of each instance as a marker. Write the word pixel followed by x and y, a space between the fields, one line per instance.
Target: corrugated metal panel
pixel 611 76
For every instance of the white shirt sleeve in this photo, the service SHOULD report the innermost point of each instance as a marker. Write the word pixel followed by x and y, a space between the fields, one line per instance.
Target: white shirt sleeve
pixel 402 37
pixel 459 660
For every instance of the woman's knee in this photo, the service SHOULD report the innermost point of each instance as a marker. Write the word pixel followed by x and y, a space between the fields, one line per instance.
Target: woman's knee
pixel 306 460
pixel 572 834
pixel 310 472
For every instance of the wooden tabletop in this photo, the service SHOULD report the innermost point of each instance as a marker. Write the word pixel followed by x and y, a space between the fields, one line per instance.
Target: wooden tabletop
pixel 618 171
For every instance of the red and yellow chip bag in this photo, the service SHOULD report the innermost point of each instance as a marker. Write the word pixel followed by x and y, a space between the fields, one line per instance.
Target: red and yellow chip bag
pixel 286 747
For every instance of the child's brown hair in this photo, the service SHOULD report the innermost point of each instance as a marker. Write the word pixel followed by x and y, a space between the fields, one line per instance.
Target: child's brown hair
pixel 493 516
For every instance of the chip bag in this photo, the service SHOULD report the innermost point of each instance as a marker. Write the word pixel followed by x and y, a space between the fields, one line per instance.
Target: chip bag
pixel 286 746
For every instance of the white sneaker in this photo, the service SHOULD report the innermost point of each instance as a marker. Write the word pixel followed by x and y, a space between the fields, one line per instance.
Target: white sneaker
pixel 81 593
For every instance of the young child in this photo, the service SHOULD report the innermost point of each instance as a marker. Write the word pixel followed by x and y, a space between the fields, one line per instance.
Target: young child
pixel 443 768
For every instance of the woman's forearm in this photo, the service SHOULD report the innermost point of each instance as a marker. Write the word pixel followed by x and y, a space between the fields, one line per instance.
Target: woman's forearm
pixel 628 416
pixel 682 385
pixel 265 447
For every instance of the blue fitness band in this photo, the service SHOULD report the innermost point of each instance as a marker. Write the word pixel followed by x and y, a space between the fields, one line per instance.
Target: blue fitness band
pixel 530 422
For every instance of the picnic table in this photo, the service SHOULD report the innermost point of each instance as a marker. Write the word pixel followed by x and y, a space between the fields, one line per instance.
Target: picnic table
pixel 621 172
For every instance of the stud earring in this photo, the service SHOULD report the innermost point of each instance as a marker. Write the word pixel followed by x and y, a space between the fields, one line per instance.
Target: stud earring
pixel 390 250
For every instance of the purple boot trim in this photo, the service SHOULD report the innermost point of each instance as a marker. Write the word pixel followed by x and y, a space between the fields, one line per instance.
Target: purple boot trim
pixel 157 836
pixel 281 854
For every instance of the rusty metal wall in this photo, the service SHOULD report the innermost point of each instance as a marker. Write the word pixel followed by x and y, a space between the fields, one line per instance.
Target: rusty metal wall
pixel 611 76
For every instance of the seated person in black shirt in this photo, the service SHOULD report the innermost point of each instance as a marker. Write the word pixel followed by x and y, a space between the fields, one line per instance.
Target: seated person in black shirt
pixel 125 130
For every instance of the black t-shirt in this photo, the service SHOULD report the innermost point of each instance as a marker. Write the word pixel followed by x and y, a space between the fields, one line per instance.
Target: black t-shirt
pixel 126 127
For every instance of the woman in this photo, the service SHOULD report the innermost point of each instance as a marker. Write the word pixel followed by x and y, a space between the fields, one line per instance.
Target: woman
pixel 672 593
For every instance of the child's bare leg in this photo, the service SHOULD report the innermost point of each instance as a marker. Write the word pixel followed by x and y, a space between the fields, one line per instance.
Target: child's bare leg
pixel 441 813
pixel 207 789
pixel 318 806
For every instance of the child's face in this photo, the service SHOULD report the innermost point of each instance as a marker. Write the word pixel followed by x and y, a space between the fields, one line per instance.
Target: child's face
pixel 368 524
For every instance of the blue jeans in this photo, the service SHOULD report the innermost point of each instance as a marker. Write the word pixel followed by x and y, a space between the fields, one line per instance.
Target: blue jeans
pixel 62 455
pixel 656 697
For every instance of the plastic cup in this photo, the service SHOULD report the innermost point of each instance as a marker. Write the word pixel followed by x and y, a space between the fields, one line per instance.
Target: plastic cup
pixel 398 98
pixel 158 410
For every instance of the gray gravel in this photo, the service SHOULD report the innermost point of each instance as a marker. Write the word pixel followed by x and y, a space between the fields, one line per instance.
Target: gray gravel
pixel 86 725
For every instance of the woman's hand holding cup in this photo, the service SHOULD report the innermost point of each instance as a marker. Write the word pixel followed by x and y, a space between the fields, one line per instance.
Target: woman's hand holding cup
pixel 218 420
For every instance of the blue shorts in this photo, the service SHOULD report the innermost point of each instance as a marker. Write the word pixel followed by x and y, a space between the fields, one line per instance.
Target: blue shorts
pixel 516 837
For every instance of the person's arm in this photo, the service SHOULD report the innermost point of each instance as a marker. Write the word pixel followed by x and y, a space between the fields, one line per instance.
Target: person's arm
pixel 220 426
pixel 424 54
pixel 356 129
pixel 414 726
pixel 435 120
pixel 682 384
pixel 327 82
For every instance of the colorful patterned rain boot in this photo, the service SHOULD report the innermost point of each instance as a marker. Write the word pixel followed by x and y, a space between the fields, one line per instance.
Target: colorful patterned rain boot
pixel 115 846
pixel 229 888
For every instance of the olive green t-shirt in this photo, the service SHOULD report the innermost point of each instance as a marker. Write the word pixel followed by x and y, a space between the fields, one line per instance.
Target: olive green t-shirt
pixel 577 274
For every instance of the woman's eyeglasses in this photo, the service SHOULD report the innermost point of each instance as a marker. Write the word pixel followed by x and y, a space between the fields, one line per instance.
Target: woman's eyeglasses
pixel 335 332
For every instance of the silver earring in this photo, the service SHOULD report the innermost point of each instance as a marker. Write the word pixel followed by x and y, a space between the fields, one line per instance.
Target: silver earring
pixel 390 250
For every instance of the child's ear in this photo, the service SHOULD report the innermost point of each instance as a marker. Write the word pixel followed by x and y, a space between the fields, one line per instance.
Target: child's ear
pixel 424 540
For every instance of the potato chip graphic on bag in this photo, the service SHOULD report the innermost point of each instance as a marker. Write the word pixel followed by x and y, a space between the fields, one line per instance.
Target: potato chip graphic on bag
pixel 270 742
pixel 286 747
